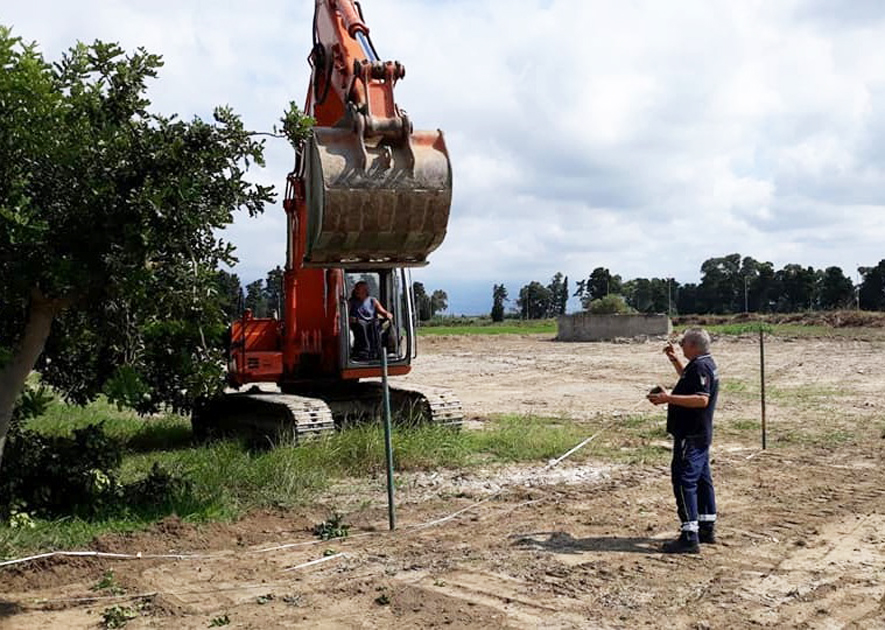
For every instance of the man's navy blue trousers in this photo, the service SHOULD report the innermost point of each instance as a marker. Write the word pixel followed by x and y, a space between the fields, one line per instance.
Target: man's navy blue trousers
pixel 692 484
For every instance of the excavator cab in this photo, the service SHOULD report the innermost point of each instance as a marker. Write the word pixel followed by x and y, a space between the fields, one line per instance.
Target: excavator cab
pixel 365 331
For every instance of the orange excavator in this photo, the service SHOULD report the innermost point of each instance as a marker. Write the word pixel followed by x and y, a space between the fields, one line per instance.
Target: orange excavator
pixel 368 199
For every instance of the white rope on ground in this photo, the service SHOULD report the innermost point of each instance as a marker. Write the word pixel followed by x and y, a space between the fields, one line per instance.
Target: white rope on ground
pixel 216 555
pixel 226 589
pixel 313 562
pixel 102 554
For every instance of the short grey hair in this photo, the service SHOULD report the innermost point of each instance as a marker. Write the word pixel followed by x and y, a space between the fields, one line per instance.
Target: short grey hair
pixel 699 338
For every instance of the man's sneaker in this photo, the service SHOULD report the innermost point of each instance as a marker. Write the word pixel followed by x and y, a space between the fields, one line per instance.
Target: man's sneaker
pixel 707 535
pixel 686 543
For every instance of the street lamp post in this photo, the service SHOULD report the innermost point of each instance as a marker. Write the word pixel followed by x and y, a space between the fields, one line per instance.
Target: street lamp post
pixel 858 286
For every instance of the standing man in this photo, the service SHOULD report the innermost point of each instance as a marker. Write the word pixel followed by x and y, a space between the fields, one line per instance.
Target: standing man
pixel 690 408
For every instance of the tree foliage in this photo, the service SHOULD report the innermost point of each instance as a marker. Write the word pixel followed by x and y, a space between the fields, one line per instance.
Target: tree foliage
pixel 872 288
pixel 109 227
pixel 499 296
pixel 439 302
pixel 610 304
pixel 534 301
pixel 732 284
pixel 426 305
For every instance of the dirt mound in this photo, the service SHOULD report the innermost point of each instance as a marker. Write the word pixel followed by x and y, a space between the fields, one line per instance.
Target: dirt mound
pixel 832 319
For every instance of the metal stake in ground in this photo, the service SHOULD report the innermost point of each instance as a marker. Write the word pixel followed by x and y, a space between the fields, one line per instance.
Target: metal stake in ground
pixel 762 378
pixel 388 443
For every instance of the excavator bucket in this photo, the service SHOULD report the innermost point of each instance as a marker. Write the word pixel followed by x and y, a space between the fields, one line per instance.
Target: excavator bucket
pixel 381 203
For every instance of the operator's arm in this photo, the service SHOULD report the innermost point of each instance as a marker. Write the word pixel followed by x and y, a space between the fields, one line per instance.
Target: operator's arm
pixel 384 312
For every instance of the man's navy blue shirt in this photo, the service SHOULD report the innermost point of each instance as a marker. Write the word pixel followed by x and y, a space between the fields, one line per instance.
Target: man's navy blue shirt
pixel 700 376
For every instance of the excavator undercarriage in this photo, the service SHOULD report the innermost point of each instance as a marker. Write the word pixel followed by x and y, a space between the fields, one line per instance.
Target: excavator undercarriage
pixel 270 417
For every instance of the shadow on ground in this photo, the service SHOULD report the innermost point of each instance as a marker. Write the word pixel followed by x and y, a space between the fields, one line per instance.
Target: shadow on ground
pixel 8 609
pixel 160 437
pixel 563 542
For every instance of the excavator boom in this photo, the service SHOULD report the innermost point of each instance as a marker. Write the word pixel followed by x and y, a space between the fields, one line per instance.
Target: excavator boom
pixel 376 191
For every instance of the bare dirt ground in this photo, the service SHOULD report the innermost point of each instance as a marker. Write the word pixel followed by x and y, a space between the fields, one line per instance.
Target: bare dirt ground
pixel 802 525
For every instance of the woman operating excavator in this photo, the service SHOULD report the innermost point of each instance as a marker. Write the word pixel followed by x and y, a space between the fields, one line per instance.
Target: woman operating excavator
pixel 365 313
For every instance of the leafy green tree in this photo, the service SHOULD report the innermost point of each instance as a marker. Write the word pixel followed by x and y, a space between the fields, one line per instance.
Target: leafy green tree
pixel 439 302
pixel 797 288
pixel 109 229
pixel 273 290
pixel 872 287
pixel 600 283
pixel 722 288
pixel 534 301
pixel 256 300
pixel 229 294
pixel 422 302
pixel 760 288
pixel 499 296
pixel 559 295
pixel 836 290
pixel 686 298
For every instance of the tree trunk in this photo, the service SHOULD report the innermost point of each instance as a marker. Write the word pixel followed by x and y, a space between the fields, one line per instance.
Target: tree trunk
pixel 13 376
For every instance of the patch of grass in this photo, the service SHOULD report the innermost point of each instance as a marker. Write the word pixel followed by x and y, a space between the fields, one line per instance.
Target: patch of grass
pixel 805 396
pixel 735 386
pixel 512 438
pixel 744 425
pixel 227 478
pixel 635 454
pixel 808 437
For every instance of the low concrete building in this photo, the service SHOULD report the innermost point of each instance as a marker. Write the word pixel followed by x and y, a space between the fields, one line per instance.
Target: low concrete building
pixel 590 327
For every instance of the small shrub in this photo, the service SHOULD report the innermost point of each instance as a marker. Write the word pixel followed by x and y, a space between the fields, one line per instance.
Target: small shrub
pixel 77 475
pixel 49 476
pixel 117 616
pixel 158 488
pixel 611 304
pixel 32 403
pixel 333 527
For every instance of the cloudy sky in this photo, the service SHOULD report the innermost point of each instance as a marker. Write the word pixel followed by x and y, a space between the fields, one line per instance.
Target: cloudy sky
pixel 640 135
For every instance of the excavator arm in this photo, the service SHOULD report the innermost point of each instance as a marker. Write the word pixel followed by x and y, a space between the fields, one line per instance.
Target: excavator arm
pixel 367 190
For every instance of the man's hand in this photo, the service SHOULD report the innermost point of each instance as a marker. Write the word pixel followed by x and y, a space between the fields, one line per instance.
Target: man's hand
pixel 659 396
pixel 670 351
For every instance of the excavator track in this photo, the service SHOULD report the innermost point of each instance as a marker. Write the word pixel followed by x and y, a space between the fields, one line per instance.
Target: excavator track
pixel 268 417
pixel 434 404
pixel 353 403
pixel 264 416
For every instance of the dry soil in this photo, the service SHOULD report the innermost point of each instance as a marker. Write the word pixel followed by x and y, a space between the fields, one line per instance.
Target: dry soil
pixel 802 529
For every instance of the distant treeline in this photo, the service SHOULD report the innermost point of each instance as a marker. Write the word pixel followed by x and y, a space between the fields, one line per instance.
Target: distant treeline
pixel 729 284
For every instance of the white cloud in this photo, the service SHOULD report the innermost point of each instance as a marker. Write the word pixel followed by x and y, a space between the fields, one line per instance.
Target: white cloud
pixel 643 136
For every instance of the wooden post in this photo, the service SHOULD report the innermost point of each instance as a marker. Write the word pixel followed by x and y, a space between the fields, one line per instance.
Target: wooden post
pixel 762 378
